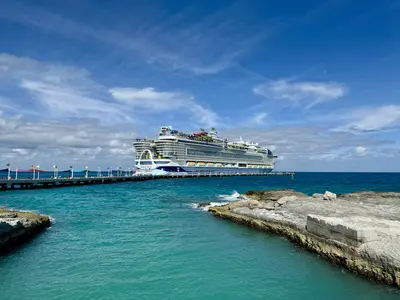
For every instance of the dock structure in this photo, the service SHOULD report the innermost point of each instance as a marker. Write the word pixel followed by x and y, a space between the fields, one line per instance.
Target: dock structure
pixel 26 183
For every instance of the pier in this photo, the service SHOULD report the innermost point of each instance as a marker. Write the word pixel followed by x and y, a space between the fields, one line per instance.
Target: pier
pixel 26 183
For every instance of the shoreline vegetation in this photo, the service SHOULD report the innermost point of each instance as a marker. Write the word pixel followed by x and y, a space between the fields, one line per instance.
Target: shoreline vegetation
pixel 359 231
pixel 18 227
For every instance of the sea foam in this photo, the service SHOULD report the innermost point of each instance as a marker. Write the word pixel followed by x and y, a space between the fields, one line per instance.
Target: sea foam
pixel 226 199
pixel 232 197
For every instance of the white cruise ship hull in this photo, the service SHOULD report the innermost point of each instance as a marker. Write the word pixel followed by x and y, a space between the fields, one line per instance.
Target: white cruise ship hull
pixel 156 166
pixel 226 170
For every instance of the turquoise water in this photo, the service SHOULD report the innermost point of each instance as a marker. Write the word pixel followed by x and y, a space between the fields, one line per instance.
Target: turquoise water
pixel 143 240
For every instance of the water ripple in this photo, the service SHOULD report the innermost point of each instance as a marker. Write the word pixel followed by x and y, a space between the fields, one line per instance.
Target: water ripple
pixel 144 241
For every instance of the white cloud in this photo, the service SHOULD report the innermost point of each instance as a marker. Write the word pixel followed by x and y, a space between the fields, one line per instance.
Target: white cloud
pixel 325 156
pixel 204 47
pixel 61 92
pixel 305 147
pixel 153 100
pixel 86 142
pixel 134 94
pixel 390 152
pixel 368 119
pixel 66 116
pixel 150 98
pixel 258 118
pixel 361 150
pixel 307 93
pixel 57 90
pixel 61 101
pixel 46 142
pixel 123 151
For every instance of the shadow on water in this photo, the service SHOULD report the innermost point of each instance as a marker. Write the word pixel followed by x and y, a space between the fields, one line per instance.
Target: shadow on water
pixel 25 244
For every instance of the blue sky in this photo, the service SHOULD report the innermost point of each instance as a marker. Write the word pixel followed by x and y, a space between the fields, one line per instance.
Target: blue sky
pixel 315 81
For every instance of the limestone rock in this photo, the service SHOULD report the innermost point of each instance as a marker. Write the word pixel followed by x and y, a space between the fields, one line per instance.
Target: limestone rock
pixel 19 226
pixel 283 200
pixel 272 195
pixel 244 203
pixel 237 204
pixel 252 204
pixel 242 197
pixel 267 206
pixel 371 194
pixel 8 215
pixel 329 196
pixel 341 229
pixel 359 231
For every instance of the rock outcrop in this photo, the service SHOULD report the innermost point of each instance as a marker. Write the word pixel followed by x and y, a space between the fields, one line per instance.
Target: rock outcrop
pixel 360 231
pixel 275 195
pixel 17 227
pixel 329 196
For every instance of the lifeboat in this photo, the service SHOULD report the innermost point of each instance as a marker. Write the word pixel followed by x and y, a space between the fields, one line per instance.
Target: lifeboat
pixel 201 163
pixel 190 163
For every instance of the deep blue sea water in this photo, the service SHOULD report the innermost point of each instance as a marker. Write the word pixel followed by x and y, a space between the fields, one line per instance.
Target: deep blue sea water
pixel 143 240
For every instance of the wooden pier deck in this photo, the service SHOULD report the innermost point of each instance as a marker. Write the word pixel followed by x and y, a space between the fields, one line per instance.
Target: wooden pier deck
pixel 13 184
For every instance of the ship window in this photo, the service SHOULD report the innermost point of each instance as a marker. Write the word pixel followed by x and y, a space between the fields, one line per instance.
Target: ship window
pixel 221 154
pixel 170 169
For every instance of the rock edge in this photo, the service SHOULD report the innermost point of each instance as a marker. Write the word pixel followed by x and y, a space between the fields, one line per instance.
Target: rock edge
pixel 343 230
pixel 17 227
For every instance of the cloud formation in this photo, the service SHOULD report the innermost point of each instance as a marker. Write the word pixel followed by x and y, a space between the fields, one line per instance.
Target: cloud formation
pixel 361 150
pixel 305 93
pixel 62 92
pixel 106 79
pixel 316 148
pixel 49 142
pixel 66 113
pixel 62 112
pixel 152 100
pixel 207 46
pixel 258 118
pixel 56 90
pixel 370 119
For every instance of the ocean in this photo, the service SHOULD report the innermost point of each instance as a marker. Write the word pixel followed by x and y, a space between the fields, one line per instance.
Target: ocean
pixel 144 240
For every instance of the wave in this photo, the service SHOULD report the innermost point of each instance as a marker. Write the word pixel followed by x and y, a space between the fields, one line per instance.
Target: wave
pixel 194 205
pixel 225 199
pixel 232 197
pixel 207 205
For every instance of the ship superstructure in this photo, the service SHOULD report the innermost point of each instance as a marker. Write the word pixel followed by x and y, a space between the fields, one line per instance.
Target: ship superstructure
pixel 202 151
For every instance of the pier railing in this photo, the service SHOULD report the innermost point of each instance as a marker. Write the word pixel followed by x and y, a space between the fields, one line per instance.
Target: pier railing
pixel 27 183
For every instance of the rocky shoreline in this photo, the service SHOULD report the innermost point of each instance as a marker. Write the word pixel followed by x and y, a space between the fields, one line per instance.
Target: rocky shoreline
pixel 359 231
pixel 17 227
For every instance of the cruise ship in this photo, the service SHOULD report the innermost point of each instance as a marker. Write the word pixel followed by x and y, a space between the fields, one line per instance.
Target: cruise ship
pixel 200 152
